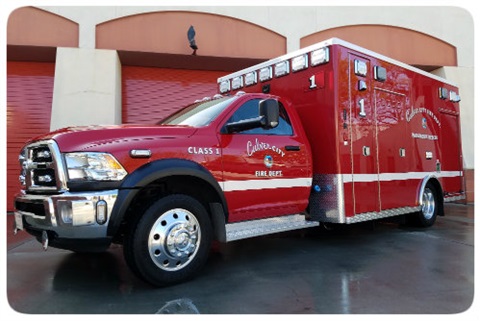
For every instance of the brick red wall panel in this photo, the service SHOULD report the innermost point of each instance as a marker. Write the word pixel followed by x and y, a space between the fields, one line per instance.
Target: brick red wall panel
pixel 151 94
pixel 29 106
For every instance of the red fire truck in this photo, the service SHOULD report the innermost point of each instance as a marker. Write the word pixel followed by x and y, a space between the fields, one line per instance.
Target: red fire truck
pixel 332 133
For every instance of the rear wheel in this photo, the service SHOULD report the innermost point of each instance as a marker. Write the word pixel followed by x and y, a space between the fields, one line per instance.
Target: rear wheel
pixel 170 242
pixel 430 205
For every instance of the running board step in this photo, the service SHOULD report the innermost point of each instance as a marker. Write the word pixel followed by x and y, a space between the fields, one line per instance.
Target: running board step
pixel 247 229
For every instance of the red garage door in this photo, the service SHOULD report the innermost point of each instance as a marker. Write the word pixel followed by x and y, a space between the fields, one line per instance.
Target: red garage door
pixel 29 105
pixel 151 94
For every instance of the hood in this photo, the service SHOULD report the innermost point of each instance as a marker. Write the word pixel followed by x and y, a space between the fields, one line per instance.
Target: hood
pixel 99 138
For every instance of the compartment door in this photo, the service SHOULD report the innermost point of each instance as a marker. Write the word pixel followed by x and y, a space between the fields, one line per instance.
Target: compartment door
pixel 363 141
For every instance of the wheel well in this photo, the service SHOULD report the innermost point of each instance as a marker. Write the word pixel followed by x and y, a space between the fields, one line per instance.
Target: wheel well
pixel 192 186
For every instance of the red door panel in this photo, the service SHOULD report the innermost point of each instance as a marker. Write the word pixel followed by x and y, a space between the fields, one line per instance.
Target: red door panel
pixel 451 153
pixel 266 172
pixel 363 141
pixel 393 149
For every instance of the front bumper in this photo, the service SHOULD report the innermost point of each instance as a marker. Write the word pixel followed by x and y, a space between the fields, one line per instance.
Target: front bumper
pixel 73 221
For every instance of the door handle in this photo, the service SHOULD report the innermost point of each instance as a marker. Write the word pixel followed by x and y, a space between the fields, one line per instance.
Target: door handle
pixel 292 148
pixel 366 151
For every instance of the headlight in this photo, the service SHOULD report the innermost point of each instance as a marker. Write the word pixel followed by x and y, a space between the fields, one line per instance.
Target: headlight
pixel 94 166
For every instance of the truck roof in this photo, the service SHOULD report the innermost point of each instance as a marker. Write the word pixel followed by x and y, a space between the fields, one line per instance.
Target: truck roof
pixel 334 41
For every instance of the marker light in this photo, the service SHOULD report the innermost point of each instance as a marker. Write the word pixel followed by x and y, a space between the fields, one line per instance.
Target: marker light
pixel 454 97
pixel 237 82
pixel 225 86
pixel 300 62
pixel 282 68
pixel 360 68
pixel 266 73
pixel 443 93
pixel 251 78
pixel 101 212
pixel 320 56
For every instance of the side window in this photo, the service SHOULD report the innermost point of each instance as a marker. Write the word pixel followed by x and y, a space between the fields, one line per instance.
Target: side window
pixel 249 110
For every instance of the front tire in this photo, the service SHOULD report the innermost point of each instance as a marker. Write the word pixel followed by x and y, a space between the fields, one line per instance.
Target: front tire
pixel 170 242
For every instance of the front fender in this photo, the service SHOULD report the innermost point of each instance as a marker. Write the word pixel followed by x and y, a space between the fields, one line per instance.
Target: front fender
pixel 150 173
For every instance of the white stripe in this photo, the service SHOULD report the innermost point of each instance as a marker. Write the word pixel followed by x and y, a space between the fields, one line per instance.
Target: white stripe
pixel 258 184
pixel 386 177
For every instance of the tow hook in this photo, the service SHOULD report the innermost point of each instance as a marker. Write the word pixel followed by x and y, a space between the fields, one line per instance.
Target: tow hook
pixel 45 240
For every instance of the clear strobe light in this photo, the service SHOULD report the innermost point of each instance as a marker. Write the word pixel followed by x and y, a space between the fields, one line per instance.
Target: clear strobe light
pixel 282 68
pixel 320 56
pixel 266 73
pixel 237 82
pixel 224 86
pixel 251 78
pixel 300 62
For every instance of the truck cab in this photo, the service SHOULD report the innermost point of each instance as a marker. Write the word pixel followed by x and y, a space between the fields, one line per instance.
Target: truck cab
pixel 86 187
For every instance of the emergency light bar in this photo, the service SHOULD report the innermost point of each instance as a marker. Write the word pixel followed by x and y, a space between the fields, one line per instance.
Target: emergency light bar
pixel 278 68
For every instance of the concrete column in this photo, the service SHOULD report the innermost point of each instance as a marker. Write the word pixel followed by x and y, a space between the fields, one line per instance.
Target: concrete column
pixel 87 88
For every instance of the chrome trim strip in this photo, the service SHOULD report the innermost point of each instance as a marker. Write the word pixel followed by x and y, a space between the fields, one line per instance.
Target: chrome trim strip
pixel 247 229
pixel 382 214
pixel 454 198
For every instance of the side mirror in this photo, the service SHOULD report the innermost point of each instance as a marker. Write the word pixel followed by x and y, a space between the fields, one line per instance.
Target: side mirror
pixel 268 116
pixel 269 112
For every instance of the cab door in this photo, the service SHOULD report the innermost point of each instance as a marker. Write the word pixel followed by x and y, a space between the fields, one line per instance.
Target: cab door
pixel 266 172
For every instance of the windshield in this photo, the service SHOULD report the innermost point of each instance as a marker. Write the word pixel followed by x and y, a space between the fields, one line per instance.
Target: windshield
pixel 199 114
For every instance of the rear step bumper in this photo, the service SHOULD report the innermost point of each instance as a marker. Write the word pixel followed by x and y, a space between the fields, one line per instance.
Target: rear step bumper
pixel 248 229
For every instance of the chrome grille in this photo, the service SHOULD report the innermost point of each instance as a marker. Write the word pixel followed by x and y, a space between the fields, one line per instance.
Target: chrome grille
pixel 42 167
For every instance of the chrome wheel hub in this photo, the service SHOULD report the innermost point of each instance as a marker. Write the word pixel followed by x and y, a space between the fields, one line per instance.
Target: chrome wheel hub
pixel 428 204
pixel 174 239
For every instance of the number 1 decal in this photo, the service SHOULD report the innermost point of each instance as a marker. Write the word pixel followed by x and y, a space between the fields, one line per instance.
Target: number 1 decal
pixel 313 84
pixel 317 81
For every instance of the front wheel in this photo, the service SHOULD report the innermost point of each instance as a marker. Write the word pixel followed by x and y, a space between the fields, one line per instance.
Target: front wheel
pixel 430 205
pixel 170 242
